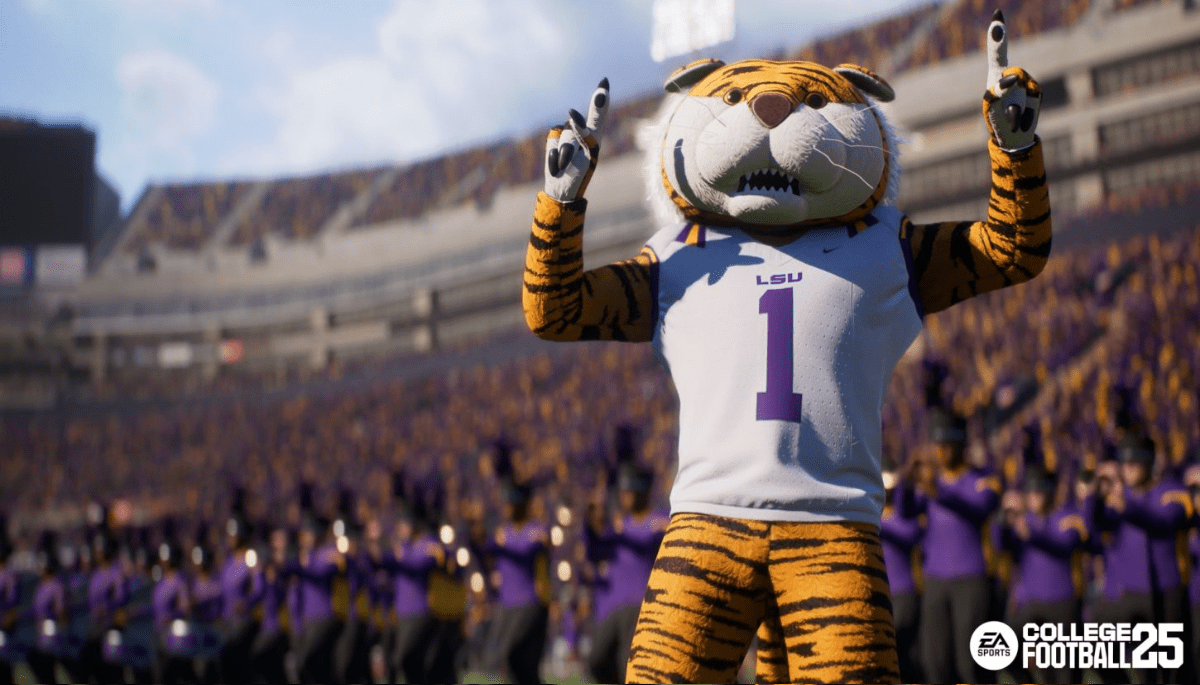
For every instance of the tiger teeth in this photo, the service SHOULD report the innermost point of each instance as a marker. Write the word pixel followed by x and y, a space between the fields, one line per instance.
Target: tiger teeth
pixel 768 179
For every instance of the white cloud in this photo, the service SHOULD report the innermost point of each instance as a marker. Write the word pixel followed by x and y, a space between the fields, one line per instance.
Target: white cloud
pixel 169 98
pixel 475 63
pixel 439 74
pixel 421 76
pixel 471 48
pixel 350 109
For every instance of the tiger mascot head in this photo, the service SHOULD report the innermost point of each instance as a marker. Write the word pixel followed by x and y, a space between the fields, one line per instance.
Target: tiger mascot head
pixel 774 147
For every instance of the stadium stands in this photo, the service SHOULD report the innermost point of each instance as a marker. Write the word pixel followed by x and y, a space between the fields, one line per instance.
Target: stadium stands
pixel 185 215
pixel 554 403
pixel 475 175
pixel 297 208
pixel 957 33
pixel 868 45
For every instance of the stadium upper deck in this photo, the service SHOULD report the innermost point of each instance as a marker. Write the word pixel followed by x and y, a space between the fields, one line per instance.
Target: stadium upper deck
pixel 382 259
pixel 188 217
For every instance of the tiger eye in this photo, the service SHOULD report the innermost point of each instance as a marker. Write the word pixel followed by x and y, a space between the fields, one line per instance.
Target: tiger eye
pixel 734 96
pixel 816 100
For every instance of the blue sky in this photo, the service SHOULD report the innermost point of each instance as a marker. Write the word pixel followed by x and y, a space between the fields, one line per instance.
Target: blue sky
pixel 179 90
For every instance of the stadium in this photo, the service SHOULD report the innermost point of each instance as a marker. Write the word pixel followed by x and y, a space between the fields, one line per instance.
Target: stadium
pixel 346 353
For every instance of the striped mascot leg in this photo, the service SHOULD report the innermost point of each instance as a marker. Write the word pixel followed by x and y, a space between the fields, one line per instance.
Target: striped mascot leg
pixel 821 586
pixel 835 605
pixel 704 601
pixel 771 661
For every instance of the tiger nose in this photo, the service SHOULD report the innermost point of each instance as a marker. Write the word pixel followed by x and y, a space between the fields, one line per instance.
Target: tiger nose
pixel 771 108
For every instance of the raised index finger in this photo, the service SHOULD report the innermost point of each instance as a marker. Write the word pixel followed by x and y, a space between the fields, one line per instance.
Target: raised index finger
pixel 598 108
pixel 997 48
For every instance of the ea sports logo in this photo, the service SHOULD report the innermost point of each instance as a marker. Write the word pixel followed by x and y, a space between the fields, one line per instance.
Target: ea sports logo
pixel 994 645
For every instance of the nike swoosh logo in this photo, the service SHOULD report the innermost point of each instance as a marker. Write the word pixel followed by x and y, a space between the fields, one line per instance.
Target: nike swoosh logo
pixel 827 250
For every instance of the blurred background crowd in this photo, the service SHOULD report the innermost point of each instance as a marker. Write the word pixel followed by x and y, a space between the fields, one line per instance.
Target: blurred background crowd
pixel 507 503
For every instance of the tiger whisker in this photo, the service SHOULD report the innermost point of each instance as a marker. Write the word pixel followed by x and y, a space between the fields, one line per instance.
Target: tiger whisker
pixel 845 168
pixel 890 153
pixel 716 117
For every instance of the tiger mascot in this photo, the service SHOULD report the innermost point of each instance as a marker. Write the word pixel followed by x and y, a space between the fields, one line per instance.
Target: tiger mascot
pixel 780 292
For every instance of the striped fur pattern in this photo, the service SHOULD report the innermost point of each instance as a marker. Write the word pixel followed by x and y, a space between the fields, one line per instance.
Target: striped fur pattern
pixel 956 261
pixel 562 302
pixel 754 76
pixel 817 592
pixel 822 586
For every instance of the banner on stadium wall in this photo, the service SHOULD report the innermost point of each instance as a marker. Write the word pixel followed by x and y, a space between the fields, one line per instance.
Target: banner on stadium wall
pixel 60 265
pixel 16 266
pixel 174 355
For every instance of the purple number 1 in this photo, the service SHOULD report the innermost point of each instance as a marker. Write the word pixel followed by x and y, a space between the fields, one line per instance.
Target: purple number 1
pixel 779 403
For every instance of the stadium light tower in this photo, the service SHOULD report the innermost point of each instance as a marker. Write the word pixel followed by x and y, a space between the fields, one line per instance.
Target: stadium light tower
pixel 682 27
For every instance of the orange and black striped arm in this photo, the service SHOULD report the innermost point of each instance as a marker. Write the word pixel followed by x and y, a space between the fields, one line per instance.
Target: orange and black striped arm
pixel 956 261
pixel 563 302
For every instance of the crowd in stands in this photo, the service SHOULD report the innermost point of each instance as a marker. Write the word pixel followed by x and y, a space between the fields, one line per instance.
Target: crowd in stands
pixel 1073 303
pixel 866 45
pixel 475 175
pixel 1106 330
pixel 297 208
pixel 185 216
pixel 957 34
pixel 1147 199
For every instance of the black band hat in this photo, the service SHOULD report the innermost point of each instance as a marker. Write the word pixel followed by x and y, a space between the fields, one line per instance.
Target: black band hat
pixel 633 478
pixel 1136 449
pixel 945 426
pixel 1038 479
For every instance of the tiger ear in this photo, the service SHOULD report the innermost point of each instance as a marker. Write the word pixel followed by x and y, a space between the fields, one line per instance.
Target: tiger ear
pixel 687 76
pixel 867 81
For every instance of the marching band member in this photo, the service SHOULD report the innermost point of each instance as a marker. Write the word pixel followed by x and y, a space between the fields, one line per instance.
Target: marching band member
pixel 957 597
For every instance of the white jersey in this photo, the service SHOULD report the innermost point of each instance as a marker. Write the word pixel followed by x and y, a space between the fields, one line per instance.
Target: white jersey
pixel 781 357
